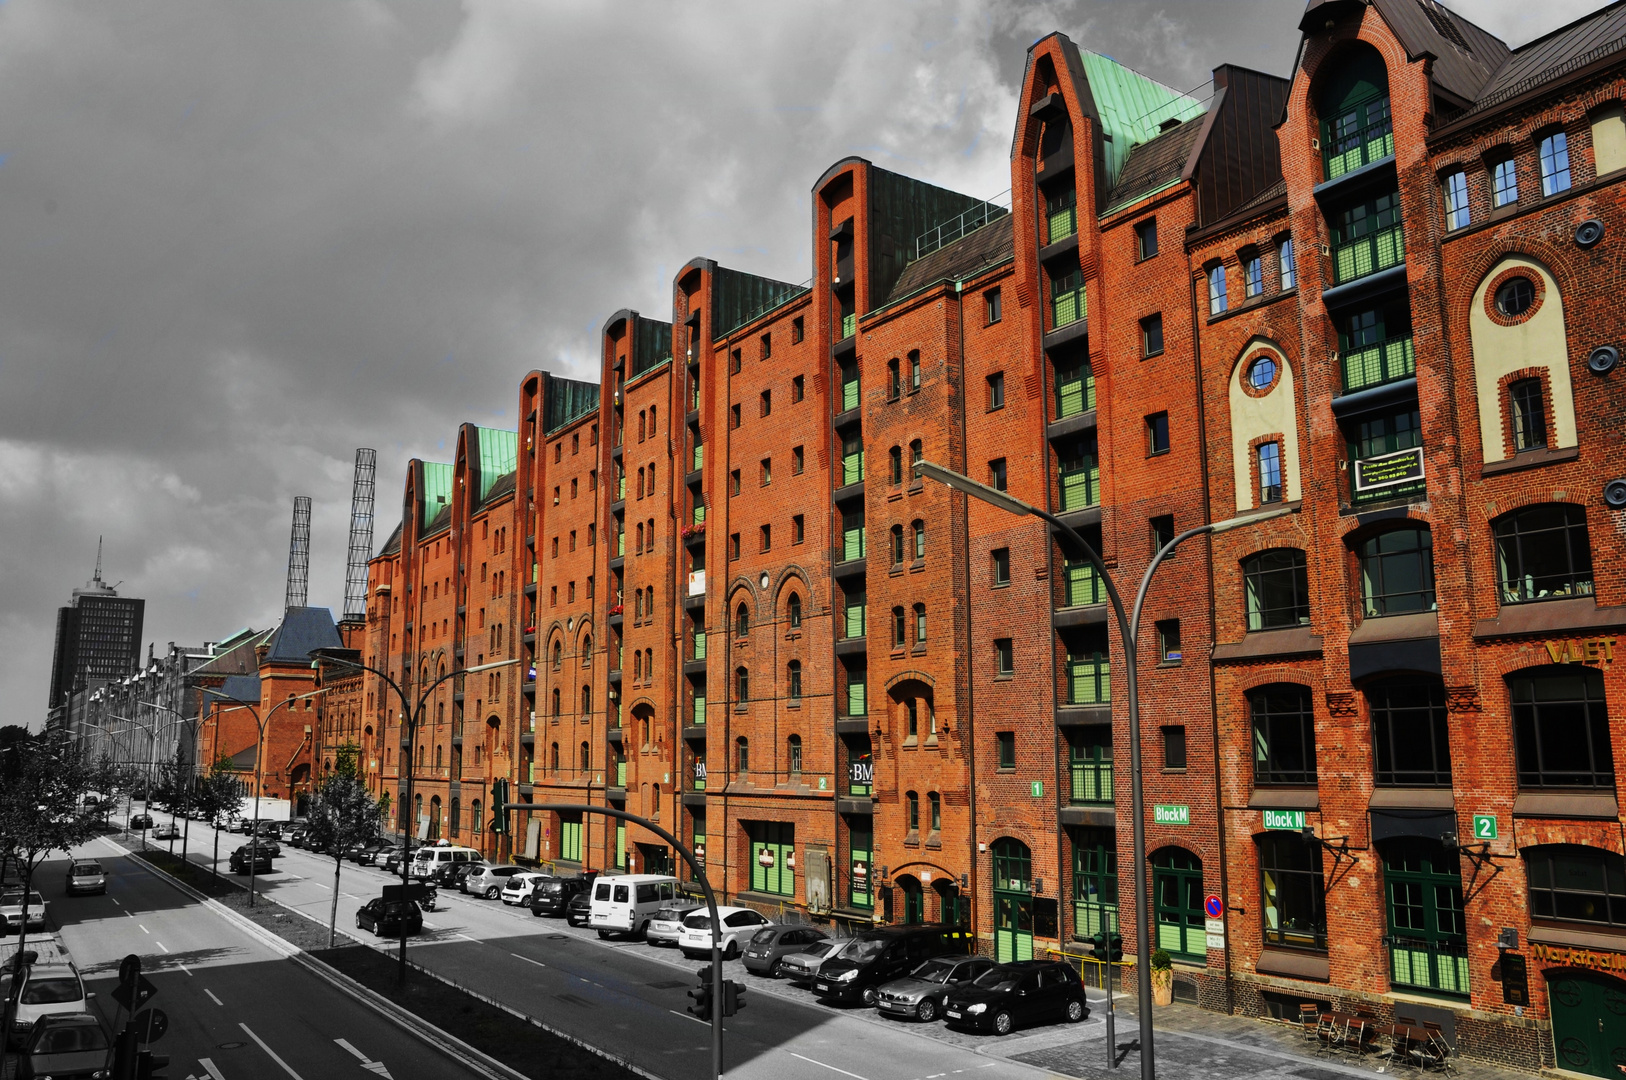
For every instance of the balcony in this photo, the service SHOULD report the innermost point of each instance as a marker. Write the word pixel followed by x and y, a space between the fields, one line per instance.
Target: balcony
pixel 1075 391
pixel 1360 138
pixel 847 326
pixel 852 469
pixel 851 393
pixel 1369 254
pixel 1089 781
pixel 1082 585
pixel 697 459
pixel 699 645
pixel 1377 364
pixel 1089 681
pixel 1061 223
pixel 1080 485
pixel 1067 308
pixel 1436 967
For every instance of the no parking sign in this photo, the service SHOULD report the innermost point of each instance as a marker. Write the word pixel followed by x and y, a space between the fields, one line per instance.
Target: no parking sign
pixel 1213 906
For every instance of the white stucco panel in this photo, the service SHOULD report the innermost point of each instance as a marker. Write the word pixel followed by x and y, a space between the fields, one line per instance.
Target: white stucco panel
pixel 1538 342
pixel 1254 417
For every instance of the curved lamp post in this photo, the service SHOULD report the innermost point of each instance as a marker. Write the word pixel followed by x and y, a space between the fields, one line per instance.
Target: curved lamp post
pixel 191 723
pixel 152 738
pixel 1128 630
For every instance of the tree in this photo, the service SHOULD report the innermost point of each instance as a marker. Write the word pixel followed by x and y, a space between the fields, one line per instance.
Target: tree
pixel 218 794
pixel 343 813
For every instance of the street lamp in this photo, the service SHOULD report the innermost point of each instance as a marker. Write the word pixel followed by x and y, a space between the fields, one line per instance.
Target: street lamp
pixel 1128 630
pixel 152 738
pixel 411 717
pixel 186 804
pixel 259 758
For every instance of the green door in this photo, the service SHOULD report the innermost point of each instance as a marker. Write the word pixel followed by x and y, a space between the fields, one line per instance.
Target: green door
pixel 1177 892
pixel 1589 1021
pixel 1013 902
pixel 1428 943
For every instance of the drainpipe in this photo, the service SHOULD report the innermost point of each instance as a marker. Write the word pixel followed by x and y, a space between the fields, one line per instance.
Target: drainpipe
pixel 973 880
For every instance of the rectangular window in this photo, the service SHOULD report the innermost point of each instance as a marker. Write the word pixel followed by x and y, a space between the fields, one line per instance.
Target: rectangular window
pixel 1174 746
pixel 1218 302
pixel 1291 891
pixel 796 330
pixel 1368 237
pixel 734 482
pixel 1002 566
pixel 796 460
pixel 993 306
pixel 1168 641
pixel 1061 213
pixel 796 529
pixel 767 346
pixel 772 845
pixel 1146 239
pixel 765 471
pixel 857 691
pixel 734 416
pixel 734 362
pixel 1005 742
pixel 856 615
pixel 1555 164
pixel 1162 530
pixel 1089 764
pixel 1067 302
pixel 1283 735
pixel 570 840
pixel 1151 334
pixel 1504 183
pixel 1284 258
pixel 1157 433
pixel 796 385
pixel 765 403
pixel 1529 415
pixel 996 474
pixel 1270 472
pixel 1253 276
pixel 734 546
pixel 996 391
pixel 767 537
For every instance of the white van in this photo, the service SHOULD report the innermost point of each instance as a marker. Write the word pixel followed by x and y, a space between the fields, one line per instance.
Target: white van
pixel 426 861
pixel 626 904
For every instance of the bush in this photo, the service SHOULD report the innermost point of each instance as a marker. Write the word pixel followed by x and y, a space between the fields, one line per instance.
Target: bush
pixel 1161 961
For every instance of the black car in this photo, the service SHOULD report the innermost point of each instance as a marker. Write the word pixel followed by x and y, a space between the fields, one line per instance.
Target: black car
pixel 883 954
pixel 141 821
pixel 451 875
pixel 258 854
pixel 578 908
pixel 295 836
pixel 553 896
pixel 386 918
pixel 391 860
pixel 366 851
pixel 1026 992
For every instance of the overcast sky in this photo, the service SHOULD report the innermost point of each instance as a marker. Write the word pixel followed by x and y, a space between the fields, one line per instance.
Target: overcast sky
pixel 239 240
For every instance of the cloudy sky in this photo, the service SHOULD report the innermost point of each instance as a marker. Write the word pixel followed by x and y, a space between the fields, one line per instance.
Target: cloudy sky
pixel 238 240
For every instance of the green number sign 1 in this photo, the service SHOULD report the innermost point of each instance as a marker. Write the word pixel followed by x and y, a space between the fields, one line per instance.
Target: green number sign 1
pixel 1484 826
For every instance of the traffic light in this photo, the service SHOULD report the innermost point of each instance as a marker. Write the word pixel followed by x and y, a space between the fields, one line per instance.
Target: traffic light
pixel 1108 947
pixel 733 997
pixel 700 997
pixel 148 1064
pixel 499 796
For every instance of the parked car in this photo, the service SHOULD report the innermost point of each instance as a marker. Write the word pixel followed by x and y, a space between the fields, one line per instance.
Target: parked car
pixel 920 994
pixel 554 895
pixel 883 954
pixel 387 919
pixel 367 850
pixel 488 881
pixel 426 860
pixel 242 824
pixel 391 859
pixel 167 831
pixel 739 924
pixel 521 887
pixel 802 967
pixel 1009 995
pixel 625 904
pixel 47 990
pixel 295 835
pixel 67 1045
pixel 667 923
pixel 257 854
pixel 452 875
pixel 138 822
pixel 580 908
pixel 772 943
pixel 11 910
pixel 86 876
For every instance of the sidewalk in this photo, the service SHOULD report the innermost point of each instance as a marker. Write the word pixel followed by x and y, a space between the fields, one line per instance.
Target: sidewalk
pixel 1194 1042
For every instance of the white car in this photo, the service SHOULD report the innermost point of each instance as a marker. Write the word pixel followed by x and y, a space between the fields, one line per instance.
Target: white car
pixel 48 989
pixel 667 924
pixel 738 926
pixel 11 910
pixel 519 888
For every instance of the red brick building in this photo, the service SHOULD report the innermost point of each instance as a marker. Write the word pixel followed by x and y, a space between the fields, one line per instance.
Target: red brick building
pixel 1376 726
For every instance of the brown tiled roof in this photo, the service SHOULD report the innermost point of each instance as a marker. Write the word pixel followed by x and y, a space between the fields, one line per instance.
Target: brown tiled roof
pixel 1155 164
pixel 988 246
pixel 393 544
pixel 503 485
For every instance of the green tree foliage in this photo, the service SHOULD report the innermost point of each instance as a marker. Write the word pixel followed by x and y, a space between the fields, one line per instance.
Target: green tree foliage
pixel 343 813
pixel 42 790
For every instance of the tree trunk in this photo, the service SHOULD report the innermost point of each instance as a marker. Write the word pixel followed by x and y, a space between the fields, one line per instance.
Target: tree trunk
pixel 333 912
pixel 214 864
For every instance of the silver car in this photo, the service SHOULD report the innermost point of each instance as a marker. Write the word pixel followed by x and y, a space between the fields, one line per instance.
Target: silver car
pixel 488 881
pixel 11 910
pixel 920 993
pixel 800 967
pixel 663 929
pixel 86 876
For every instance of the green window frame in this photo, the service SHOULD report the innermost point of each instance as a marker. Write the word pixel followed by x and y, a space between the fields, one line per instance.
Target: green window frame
pixel 1089 764
pixel 860 872
pixel 1082 585
pixel 1095 883
pixel 1061 213
pixel 1013 865
pixel 1177 901
pixel 1368 237
pixel 1387 433
pixel 1089 673
pixel 857 691
pixel 777 840
pixel 850 387
pixel 1079 474
pixel 699 716
pixel 856 611
pixel 621 845
pixel 1067 299
pixel 852 535
pixel 1075 390
pixel 1427 940
pixel 570 840
pixel 852 460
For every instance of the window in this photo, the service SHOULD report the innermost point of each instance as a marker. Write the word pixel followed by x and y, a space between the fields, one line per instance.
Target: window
pixel 1514 297
pixel 797 387
pixel 734 364
pixel 911 809
pixel 1504 183
pixel 996 391
pixel 914 371
pixel 765 472
pixel 1283 735
pixel 895 465
pixel 798 460
pixel 767 538
pixel 765 401
pixel 934 802
pixel 1284 259
pixel 796 530
pixel 1095 884
pixel 1146 239
pixel 1292 890
pixel 1002 566
pixel 900 628
pixel 734 413
pixel 857 614
pixel 1529 410
pixel 1005 745
pixel 742 754
pixel 1162 531
pixel 897 545
pixel 1410 743
pixel 920 624
pixel 1151 335
pixel 1577 884
pixel 1061 213
pixel 894 380
pixel 1253 275
pixel 742 689
pixel 742 621
pixel 1397 572
pixel 1270 472
pixel 996 474
pixel 1561 728
pixel 793 611
pixel 1068 303
pixel 796 330
pixel 793 683
pixel 734 546
pixel 992 306
pixel 920 540
pixel 793 753
pixel 1174 746
pixel 1277 588
pixel 1177 902
pixel 1555 164
pixel 734 482
pixel 1157 433
pixel 767 346
pixel 1543 553
pixel 1168 641
pixel 1004 657
pixel 1262 372
pixel 1217 301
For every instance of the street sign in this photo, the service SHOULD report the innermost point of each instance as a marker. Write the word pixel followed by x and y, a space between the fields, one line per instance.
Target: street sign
pixel 1038 789
pixel 143 992
pixel 1484 826
pixel 1214 926
pixel 1284 819
pixel 129 968
pixel 1213 906
pixel 415 890
pixel 150 1025
pixel 1164 814
pixel 1215 941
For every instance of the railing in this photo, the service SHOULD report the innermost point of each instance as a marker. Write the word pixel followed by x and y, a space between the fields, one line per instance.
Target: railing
pixel 621 774
pixel 850 393
pixel 1380 363
pixel 1439 966
pixel 1349 147
pixel 1090 781
pixel 621 488
pixel 694 398
pixel 849 326
pixel 699 717
pixel 1375 251
pixel 955 228
pixel 1092 971
pixel 1089 681
pixel 852 544
pixel 1081 486
pixel 1082 585
pixel 699 458
pixel 697 780
pixel 857 699
pixel 857 620
pixel 1067 307
pixel 620 544
pixel 852 468
pixel 699 515
pixel 1060 224
pixel 1075 391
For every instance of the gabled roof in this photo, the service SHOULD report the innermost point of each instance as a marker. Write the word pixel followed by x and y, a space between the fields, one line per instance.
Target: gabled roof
pixel 499 456
pixel 244 688
pixel 988 246
pixel 1556 54
pixel 243 760
pixel 239 657
pixel 1157 164
pixel 502 485
pixel 392 546
pixel 1132 107
pixel 437 489
pixel 303 631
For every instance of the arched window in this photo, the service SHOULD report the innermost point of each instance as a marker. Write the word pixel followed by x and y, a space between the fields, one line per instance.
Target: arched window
pixel 1013 865
pixel 935 802
pixel 920 539
pixel 793 755
pixel 1397 572
pixel 457 817
pixel 914 370
pixel 586 758
pixel 434 818
pixel 439 752
pixel 920 624
pixel 440 712
pixel 1543 553
pixel 587 700
pixel 895 464
pixel 917 453
pixel 900 628
pixel 1177 900
pixel 474 817
pixel 1353 103
pixel 742 685
pixel 558 654
pixel 793 680
pixel 742 755
pixel 1277 589
pixel 1283 735
pixel 587 651
pixel 553 757
pixel 556 709
pixel 894 379
pixel 1576 884
pixel 1561 728
pixel 742 621
pixel 793 611
pixel 897 545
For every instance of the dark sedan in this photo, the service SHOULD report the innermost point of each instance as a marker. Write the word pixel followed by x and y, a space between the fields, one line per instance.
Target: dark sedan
pixel 453 874
pixel 68 1045
pixel 553 896
pixel 386 919
pixel 366 851
pixel 257 854
pixel 1028 992
pixel 578 909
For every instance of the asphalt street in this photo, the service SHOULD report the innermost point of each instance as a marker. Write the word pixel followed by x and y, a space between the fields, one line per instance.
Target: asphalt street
pixel 629 997
pixel 237 1009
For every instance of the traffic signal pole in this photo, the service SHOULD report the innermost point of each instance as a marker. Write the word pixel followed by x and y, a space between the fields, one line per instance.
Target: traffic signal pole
pixel 705 888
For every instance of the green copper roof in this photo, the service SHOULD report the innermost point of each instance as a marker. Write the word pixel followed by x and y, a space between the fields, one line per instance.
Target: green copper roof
pixel 437 490
pixel 1131 107
pixel 499 456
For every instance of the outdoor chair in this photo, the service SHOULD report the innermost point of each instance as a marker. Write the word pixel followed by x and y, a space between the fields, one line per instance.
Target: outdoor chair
pixel 1310 1021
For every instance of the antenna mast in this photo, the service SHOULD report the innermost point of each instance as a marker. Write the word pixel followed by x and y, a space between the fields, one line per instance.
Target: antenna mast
pixel 299 555
pixel 361 535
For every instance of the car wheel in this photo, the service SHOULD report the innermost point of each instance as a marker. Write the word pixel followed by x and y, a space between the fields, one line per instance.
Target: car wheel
pixel 926 1011
pixel 604 935
pixel 1002 1023
pixel 777 971
pixel 872 994
pixel 1075 1011
pixel 732 951
pixel 491 892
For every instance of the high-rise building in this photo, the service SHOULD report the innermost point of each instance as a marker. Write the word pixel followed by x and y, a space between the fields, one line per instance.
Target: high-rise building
pixel 98 639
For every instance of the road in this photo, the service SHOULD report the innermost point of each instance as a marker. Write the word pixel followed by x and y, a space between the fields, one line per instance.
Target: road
pixel 237 1009
pixel 629 998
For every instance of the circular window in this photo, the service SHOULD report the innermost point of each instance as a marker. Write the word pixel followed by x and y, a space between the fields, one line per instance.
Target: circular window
pixel 1262 373
pixel 1514 297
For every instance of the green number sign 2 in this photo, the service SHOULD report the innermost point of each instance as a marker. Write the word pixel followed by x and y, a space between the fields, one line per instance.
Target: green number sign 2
pixel 1484 826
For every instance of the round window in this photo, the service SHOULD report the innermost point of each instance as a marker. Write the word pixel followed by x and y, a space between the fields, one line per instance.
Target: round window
pixel 1262 372
pixel 1514 297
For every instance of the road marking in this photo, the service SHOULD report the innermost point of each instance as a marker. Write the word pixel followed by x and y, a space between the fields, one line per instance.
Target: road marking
pixel 212 997
pixel 184 968
pixel 272 1054
pixel 130 913
pixel 466 937
pixel 832 1068
pixel 144 930
pixel 161 945
pixel 686 1016
pixel 366 1063
pixel 209 1067
pixel 527 959
pixel 115 900
pixel 349 896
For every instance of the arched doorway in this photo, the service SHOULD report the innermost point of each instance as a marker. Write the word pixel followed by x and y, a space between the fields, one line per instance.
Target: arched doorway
pixel 1177 894
pixel 434 818
pixel 1013 902
pixel 955 908
pixel 914 900
pixel 1589 1021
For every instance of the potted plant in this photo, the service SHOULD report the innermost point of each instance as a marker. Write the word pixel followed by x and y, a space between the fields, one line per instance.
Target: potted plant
pixel 1162 978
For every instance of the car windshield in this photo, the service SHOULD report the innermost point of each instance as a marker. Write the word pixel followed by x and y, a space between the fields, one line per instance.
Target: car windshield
pixel 51 991
pixel 861 951
pixel 697 922
pixel 934 971
pixel 996 979
pixel 71 1039
pixel 87 868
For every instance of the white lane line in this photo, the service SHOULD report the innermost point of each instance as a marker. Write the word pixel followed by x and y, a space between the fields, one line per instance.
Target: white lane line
pixel 161 945
pixel 130 913
pixel 144 930
pixel 209 1067
pixel 212 997
pixel 272 1054
pixel 527 959
pixel 115 900
pixel 686 1016
pixel 346 1044
pixel 466 937
pixel 832 1068
pixel 186 969
pixel 349 896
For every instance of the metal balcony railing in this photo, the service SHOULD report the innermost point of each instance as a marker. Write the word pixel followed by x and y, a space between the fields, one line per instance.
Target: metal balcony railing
pixel 699 644
pixel 1081 486
pixel 1067 308
pixel 1373 252
pixel 1359 138
pixel 1082 585
pixel 1091 781
pixel 852 468
pixel 1089 681
pixel 1061 223
pixel 1439 966
pixel 1075 391
pixel 1380 363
